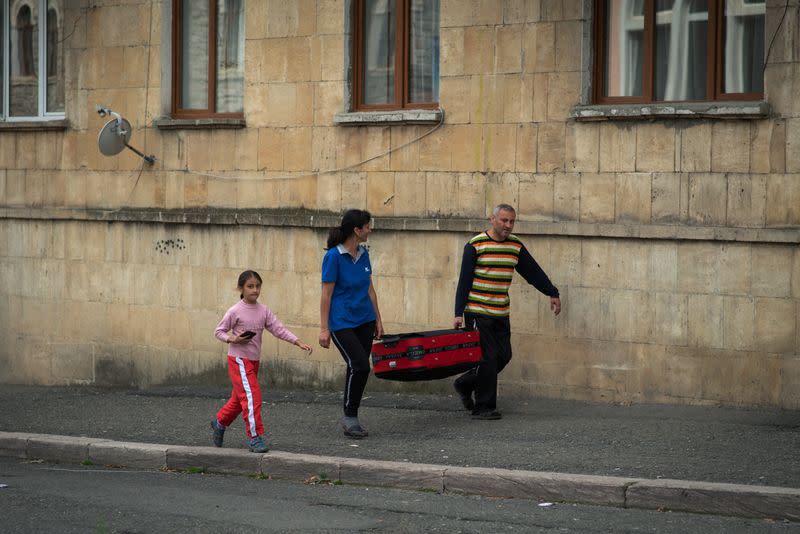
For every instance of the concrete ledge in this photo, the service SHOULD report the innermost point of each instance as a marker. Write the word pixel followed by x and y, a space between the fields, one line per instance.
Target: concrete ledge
pixel 678 495
pixel 60 449
pixel 716 498
pixel 393 474
pixel 535 485
pixel 13 444
pixel 213 460
pixel 299 467
pixel 128 454
pixel 303 218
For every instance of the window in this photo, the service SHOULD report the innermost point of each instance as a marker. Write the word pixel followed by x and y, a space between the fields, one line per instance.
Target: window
pixel 208 58
pixel 32 73
pixel 678 50
pixel 396 51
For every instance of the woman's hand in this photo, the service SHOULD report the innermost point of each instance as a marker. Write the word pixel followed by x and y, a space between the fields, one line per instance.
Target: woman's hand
pixel 305 347
pixel 324 338
pixel 378 329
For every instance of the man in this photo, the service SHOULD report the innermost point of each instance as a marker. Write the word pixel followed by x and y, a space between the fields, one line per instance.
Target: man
pixel 482 298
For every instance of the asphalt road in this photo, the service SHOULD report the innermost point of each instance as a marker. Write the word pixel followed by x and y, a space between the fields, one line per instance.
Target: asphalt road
pixel 41 497
pixel 746 446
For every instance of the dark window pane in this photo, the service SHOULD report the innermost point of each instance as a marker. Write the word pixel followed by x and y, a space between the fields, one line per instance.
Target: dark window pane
pixel 423 55
pixel 744 47
pixel 681 49
pixel 55 56
pixel 624 46
pixel 230 56
pixel 378 47
pixel 194 55
pixel 24 91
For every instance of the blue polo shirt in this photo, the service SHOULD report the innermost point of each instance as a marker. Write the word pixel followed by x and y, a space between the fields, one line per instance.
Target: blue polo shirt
pixel 350 303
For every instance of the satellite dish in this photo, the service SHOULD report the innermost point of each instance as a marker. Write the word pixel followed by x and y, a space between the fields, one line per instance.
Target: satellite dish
pixel 115 135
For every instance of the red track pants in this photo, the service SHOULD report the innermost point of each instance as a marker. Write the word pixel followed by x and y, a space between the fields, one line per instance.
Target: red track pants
pixel 245 397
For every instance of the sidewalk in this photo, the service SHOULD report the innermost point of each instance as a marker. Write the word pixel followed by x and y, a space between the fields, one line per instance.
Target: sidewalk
pixel 703 459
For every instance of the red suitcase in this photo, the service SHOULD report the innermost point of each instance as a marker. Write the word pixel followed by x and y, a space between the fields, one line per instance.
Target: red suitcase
pixel 425 355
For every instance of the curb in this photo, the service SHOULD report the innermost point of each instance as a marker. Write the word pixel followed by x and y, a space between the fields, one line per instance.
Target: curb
pixel 678 495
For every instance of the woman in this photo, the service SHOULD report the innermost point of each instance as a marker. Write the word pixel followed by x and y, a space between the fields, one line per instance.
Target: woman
pixel 348 309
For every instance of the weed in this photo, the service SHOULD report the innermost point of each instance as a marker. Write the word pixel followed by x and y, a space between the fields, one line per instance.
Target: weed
pixel 195 470
pixel 87 462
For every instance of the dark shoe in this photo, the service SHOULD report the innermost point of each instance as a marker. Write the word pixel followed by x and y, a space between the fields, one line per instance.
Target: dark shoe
pixel 257 445
pixel 487 415
pixel 218 433
pixel 353 429
pixel 465 396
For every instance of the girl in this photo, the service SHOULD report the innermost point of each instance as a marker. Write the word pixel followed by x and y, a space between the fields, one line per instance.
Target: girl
pixel 349 312
pixel 241 328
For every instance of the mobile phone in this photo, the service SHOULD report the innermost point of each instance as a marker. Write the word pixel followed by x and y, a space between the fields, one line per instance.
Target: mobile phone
pixel 248 334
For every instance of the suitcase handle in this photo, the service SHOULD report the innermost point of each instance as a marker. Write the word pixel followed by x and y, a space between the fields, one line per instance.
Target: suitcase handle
pixel 390 340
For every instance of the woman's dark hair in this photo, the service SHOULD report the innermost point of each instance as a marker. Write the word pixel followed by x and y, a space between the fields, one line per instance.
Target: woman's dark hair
pixel 244 277
pixel 351 220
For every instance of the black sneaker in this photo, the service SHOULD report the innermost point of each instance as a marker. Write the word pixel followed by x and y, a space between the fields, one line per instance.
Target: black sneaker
pixel 218 433
pixel 353 429
pixel 257 445
pixel 466 397
pixel 487 415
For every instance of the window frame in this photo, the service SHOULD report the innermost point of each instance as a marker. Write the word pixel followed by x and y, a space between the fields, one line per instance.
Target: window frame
pixel 189 113
pixel 401 68
pixel 715 59
pixel 41 69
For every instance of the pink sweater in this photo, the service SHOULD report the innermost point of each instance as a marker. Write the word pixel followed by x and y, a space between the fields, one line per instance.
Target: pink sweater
pixel 254 317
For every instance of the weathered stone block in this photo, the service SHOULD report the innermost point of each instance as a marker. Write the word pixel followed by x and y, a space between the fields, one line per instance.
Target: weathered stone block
pixel 735 269
pixel 502 189
pixel 291 466
pixel 536 485
pixel 696 148
pixel 597 197
pixel 500 143
pixel 698 267
pixel 551 147
pixel 563 92
pixel 705 318
pixel 509 46
pixel 441 195
pixel 655 148
pixel 783 199
pixel 213 459
pixel 775 329
pixel 13 444
pixel 582 146
pixel 392 474
pixel 707 199
pixel 727 140
pixel 527 147
pixel 59 449
pixel 772 270
pixel 472 195
pixel 747 198
pixel 739 320
pixel 617 147
pixel 479 45
pixel 536 196
pixel 633 198
pixel 128 454
pixel 715 498
pixel 539 47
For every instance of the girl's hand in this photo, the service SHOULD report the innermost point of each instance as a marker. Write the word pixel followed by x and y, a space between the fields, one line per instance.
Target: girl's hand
pixel 236 340
pixel 378 329
pixel 325 338
pixel 303 346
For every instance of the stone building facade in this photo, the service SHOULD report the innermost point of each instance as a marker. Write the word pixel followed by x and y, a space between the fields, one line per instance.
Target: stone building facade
pixel 671 230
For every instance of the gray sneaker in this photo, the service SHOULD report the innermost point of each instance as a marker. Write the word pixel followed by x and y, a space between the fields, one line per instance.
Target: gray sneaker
pixel 218 433
pixel 257 445
pixel 353 429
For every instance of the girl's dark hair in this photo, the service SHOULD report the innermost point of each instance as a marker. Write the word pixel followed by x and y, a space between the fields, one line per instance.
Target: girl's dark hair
pixel 244 277
pixel 351 220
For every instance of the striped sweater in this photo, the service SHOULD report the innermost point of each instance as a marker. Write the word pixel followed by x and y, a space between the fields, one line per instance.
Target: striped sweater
pixel 487 269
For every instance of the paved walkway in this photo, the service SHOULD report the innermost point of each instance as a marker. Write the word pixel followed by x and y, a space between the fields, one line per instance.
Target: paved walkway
pixel 722 460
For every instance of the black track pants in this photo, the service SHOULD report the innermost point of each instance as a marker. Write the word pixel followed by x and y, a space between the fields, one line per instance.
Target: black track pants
pixel 355 344
pixel 496 347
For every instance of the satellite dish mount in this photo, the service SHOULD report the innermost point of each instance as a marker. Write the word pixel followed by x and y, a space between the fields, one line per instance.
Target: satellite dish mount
pixel 116 133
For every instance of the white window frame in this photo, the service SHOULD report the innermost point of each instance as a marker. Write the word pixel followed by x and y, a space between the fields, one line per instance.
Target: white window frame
pixel 5 34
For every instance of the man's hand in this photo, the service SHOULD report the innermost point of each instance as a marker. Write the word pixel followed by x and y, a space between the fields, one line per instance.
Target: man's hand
pixel 458 322
pixel 324 338
pixel 378 329
pixel 555 305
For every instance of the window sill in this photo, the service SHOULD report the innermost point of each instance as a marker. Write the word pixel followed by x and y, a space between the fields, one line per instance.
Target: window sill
pixel 168 123
pixel 679 110
pixel 400 116
pixel 34 126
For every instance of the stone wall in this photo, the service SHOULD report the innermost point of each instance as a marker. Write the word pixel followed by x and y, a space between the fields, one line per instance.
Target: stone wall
pixel 674 241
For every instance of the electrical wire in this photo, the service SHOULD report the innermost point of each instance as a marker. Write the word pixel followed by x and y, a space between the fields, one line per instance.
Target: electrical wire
pixel 775 34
